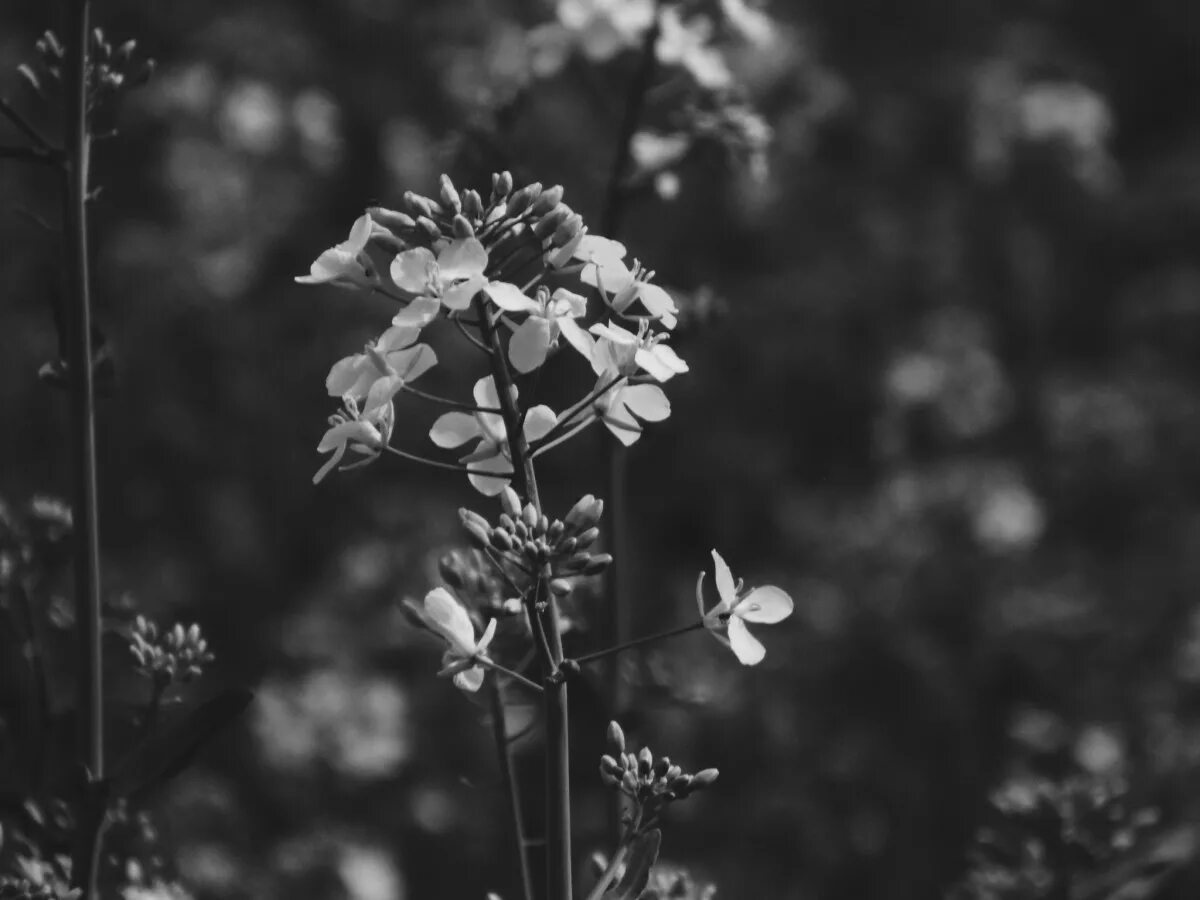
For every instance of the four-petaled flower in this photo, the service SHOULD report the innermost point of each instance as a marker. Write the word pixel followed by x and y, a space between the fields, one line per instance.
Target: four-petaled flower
pixel 623 406
pixel 604 268
pixel 452 278
pixel 549 316
pixel 624 352
pixel 347 264
pixel 378 373
pixel 492 453
pixel 365 434
pixel 727 620
pixel 447 618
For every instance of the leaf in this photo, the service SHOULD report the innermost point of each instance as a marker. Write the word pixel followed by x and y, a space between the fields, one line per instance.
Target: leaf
pixel 637 871
pixel 167 752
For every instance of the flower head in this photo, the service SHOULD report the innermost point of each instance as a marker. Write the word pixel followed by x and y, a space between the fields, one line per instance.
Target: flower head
pixel 447 618
pixel 360 432
pixel 727 620
pixel 378 373
pixel 347 264
pixel 549 316
pixel 604 268
pixel 625 406
pixel 492 453
pixel 623 352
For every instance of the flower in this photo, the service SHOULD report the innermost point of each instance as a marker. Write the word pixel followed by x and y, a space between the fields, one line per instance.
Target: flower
pixel 492 453
pixel 385 366
pixel 447 618
pixel 362 433
pixel 599 29
pixel 347 264
pixel 454 276
pixel 727 620
pixel 549 316
pixel 622 352
pixel 604 268
pixel 686 44
pixel 623 406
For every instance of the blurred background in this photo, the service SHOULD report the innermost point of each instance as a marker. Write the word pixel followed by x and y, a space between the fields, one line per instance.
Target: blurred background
pixel 943 264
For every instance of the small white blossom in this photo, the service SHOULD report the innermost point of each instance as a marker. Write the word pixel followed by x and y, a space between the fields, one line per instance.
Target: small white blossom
pixel 491 454
pixel 686 44
pixel 347 264
pixel 447 618
pixel 624 352
pixel 604 268
pixel 364 434
pixel 549 316
pixel 381 371
pixel 454 276
pixel 623 408
pixel 727 620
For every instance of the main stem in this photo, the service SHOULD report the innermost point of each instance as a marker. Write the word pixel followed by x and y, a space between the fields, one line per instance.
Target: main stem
pixel 558 770
pixel 90 698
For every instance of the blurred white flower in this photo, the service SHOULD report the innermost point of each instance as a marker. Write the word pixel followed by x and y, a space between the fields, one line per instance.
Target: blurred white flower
pixel 252 117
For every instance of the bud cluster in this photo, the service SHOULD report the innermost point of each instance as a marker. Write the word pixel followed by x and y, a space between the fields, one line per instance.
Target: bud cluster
pixel 652 784
pixel 175 656
pixel 533 541
pixel 531 216
pixel 110 69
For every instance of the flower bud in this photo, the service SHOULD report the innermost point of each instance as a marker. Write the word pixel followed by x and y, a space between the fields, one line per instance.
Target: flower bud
pixel 672 773
pixel 608 778
pixel 390 218
pixel 463 228
pixel 629 783
pixel 520 201
pixel 645 761
pixel 560 587
pixel 598 564
pixel 548 224
pixel 555 531
pixel 610 765
pixel 704 778
pixel 472 204
pixel 520 530
pixel 476 527
pixel 587 538
pixel 578 561
pixel 449 195
pixel 531 550
pixel 616 736
pixel 418 205
pixel 566 546
pixel 567 231
pixel 549 199
pixel 576 518
pixel 661 766
pixel 543 524
pixel 596 511
pixel 681 785
pixel 502 540
pixel 562 256
pixel 506 521
pixel 429 228
pixel 529 515
pixel 502 185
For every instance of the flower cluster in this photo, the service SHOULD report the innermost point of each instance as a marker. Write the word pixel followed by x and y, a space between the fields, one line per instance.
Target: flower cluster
pixel 175 656
pixel 727 620
pixel 514 275
pixel 24 889
pixel 652 784
pixel 110 69
pixel 465 656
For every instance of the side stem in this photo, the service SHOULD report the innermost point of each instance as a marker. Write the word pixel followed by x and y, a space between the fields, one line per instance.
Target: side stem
pixel 511 788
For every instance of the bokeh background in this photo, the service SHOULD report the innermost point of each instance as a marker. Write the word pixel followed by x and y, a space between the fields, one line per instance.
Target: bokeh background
pixel 947 395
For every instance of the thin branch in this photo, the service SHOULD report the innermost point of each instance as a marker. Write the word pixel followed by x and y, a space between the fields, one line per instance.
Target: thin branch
pixel 565 417
pixel 546 447
pixel 26 127
pixel 453 467
pixel 515 676
pixel 446 401
pixel 637 642
pixel 610 872
pixel 470 337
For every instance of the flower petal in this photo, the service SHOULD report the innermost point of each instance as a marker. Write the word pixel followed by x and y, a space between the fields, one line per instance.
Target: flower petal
pixel 486 485
pixel 529 344
pixel 568 303
pixel 360 233
pixel 453 429
pixel 469 680
pixel 413 269
pixel 725 586
pixel 353 375
pixel 397 338
pixel 462 258
pixel 509 297
pixel 338 452
pixel 746 647
pixel 583 342
pixel 767 604
pixel 413 362
pixel 658 303
pixel 344 432
pixel 382 392
pixel 538 422
pixel 459 296
pixel 646 401
pixel 653 365
pixel 485 393
pixel 419 313
pixel 488 634
pixel 450 619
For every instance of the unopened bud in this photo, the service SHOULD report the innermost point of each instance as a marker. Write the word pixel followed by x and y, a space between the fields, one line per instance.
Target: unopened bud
pixel 681 785
pixel 629 783
pixel 567 546
pixel 506 521
pixel 390 218
pixel 549 199
pixel 429 228
pixel 609 779
pixel 645 761
pixel 418 205
pixel 616 736
pixel 704 778
pixel 472 204
pixel 510 502
pixel 529 515
pixel 549 223
pixel 560 587
pixel 661 766
pixel 502 185
pixel 520 530
pixel 576 517
pixel 555 531
pixel 462 228
pixel 543 524
pixel 502 540
pixel 672 773
pixel 567 231
pixel 578 561
pixel 531 550
pixel 587 538
pixel 521 200
pixel 449 195
pixel 598 564
pixel 610 765
pixel 476 527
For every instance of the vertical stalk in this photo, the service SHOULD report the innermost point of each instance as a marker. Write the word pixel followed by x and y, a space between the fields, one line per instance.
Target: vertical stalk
pixel 558 769
pixel 90 698
pixel 508 776
pixel 616 585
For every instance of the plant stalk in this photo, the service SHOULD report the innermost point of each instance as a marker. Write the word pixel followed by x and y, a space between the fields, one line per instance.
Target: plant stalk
pixel 511 788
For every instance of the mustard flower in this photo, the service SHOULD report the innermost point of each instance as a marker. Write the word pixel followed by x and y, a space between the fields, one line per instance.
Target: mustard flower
pixel 599 29
pixel 491 454
pixel 454 276
pixel 362 433
pixel 686 44
pixel 378 373
pixel 549 316
pixel 623 408
pixel 447 618
pixel 727 620
pixel 604 268
pixel 623 352
pixel 347 264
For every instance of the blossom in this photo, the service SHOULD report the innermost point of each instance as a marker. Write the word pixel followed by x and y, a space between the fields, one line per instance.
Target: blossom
pixel 623 352
pixel 454 276
pixel 623 406
pixel 599 29
pixel 447 618
pixel 727 620
pixel 686 44
pixel 604 268
pixel 381 371
pixel 549 316
pixel 491 454
pixel 347 264
pixel 360 432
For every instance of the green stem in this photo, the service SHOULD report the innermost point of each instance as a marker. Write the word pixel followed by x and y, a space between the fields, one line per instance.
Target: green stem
pixel 637 642
pixel 90 697
pixel 515 676
pixel 610 873
pixel 446 401
pixel 511 788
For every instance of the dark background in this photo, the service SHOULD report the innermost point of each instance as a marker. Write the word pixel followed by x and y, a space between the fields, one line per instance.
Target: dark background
pixel 951 407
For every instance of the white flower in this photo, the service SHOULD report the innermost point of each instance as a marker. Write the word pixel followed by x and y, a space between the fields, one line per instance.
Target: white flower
pixel 364 434
pixel 686 44
pixel 492 453
pixel 604 268
pixel 624 407
pixel 446 617
pixel 599 29
pixel 378 374
pixel 347 264
pixel 623 352
pixel 727 620
pixel 549 316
